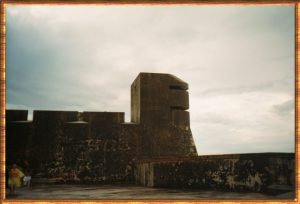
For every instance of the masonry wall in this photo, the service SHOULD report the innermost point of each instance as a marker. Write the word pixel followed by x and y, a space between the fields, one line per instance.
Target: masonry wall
pixel 251 172
pixel 104 159
pixel 17 142
pixel 156 149
pixel 67 146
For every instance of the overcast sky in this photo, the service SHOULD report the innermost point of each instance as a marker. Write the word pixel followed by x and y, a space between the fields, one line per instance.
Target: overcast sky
pixel 238 61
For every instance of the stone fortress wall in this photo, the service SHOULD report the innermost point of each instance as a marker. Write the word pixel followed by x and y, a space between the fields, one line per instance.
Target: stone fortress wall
pixel 155 149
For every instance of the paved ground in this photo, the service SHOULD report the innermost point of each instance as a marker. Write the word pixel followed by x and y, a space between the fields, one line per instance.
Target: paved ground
pixel 107 192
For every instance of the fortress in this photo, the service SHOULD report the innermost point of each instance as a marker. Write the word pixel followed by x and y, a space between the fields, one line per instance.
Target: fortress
pixel 155 149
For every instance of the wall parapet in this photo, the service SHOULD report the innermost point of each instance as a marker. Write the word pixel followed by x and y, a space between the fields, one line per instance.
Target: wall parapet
pixel 16 115
pixel 250 172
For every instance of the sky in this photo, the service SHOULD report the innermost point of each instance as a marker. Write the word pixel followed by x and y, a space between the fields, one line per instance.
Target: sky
pixel 239 62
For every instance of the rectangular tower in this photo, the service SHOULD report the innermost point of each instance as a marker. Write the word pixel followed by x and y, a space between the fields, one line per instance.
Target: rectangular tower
pixel 159 103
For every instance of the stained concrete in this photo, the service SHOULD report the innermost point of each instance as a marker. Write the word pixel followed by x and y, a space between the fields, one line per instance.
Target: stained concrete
pixel 109 192
pixel 238 172
pixel 99 147
pixel 155 149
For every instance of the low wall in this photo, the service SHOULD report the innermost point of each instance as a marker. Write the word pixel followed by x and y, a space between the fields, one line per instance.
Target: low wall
pixel 251 172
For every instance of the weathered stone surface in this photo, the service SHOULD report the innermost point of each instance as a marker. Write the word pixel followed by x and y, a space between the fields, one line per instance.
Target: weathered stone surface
pixel 103 124
pixel 252 172
pixel 153 95
pixel 47 136
pixel 159 103
pixel 79 130
pixel 155 149
pixel 16 115
pixel 18 140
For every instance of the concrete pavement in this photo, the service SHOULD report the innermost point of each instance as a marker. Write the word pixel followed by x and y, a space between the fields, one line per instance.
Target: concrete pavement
pixel 110 192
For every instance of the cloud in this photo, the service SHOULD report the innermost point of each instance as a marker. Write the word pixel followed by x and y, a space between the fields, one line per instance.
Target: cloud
pixel 284 85
pixel 285 109
pixel 238 61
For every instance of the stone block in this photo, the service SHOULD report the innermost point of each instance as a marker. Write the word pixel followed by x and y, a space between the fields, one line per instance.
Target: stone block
pixel 16 115
pixel 77 130
pixel 103 117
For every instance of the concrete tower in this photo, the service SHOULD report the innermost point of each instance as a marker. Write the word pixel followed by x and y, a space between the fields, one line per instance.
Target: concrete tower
pixel 159 103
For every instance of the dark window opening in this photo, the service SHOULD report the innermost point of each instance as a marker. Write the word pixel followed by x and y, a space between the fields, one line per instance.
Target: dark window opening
pixel 176 87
